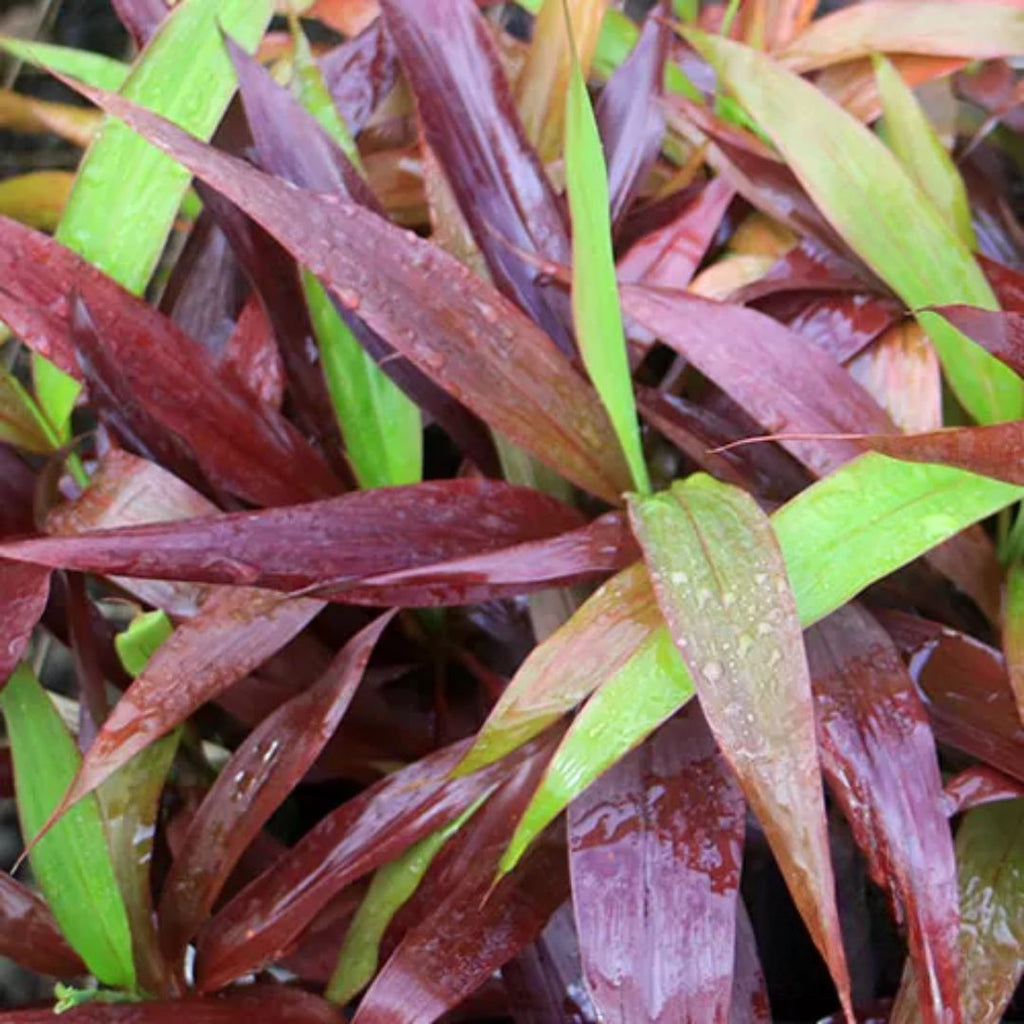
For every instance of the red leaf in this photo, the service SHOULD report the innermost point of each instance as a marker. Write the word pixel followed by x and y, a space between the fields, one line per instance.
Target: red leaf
pixel 783 381
pixel 141 17
pixel 473 926
pixel 29 935
pixel 23 592
pixel 367 831
pixel 380 534
pixel 251 352
pixel 1001 333
pixel 630 115
pixel 879 757
pixel 454 326
pixel 656 846
pixel 967 690
pixel 979 785
pixel 470 121
pixel 1007 283
pixel 242 445
pixel 253 784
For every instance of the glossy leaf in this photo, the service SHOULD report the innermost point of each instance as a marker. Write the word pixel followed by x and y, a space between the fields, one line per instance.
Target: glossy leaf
pixel 887 26
pixel 437 318
pixel 251 786
pixel 23 593
pixel 720 581
pixel 29 935
pixel 595 297
pixel 122 181
pixel 879 757
pixel 902 243
pixel 892 512
pixel 470 122
pixel 1001 333
pixel 140 359
pixel 974 787
pixel 360 73
pixel 71 862
pixel 781 379
pixel 909 134
pixel 361 835
pixel 655 853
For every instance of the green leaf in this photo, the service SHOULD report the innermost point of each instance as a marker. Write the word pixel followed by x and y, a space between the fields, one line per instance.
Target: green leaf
pixel 871 517
pixel 381 427
pixel 909 134
pixel 21 423
pixel 92 68
pixel 127 192
pixel 139 642
pixel 71 862
pixel 595 292
pixel 848 172
pixel 1013 631
pixel 392 887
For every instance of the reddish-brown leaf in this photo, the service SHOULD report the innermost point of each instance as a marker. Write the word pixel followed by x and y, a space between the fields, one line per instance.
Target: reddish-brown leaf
pixel 367 831
pixel 23 592
pixel 979 785
pixel 241 444
pixel 455 327
pixel 263 771
pixel 785 382
pixel 29 935
pixel 470 121
pixel 879 757
pixel 656 847
pixel 1001 333
pixel 359 73
pixel 749 1004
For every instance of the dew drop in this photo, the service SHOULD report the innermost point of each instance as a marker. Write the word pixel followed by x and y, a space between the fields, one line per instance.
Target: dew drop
pixel 712 671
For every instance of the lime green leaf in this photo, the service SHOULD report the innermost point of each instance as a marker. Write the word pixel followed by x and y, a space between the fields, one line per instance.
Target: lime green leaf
pixel 871 517
pixel 392 886
pixel 1013 631
pixel 71 862
pixel 92 68
pixel 909 134
pixel 381 427
pixel 21 424
pixel 138 643
pixel 847 170
pixel 127 192
pixel 595 293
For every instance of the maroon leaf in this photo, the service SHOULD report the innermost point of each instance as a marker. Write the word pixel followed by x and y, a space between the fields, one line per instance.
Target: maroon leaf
pixel 369 830
pixel 23 592
pixel 1007 283
pixel 347 539
pixel 1001 333
pixel 979 785
pixel 455 327
pixel 470 122
pixel 141 17
pixel 242 445
pixel 17 494
pixel 749 1003
pixel 996 451
pixel 272 1004
pixel 879 757
pixel 669 256
pixel 656 846
pixel 630 115
pixel 251 352
pixel 967 690
pixel 779 378
pixel 251 786
pixel 474 926
pixel 360 73
pixel 29 935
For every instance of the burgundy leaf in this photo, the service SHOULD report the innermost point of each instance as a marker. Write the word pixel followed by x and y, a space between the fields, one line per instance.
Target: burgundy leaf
pixel 141 17
pixel 630 115
pixel 779 378
pixel 979 785
pixel 291 144
pixel 242 445
pixel 470 122
pixel 996 451
pixel 268 1004
pixel 879 757
pixel 967 690
pixel 1007 283
pixel 367 831
pixel 749 1003
pixel 251 786
pixel 669 256
pixel 359 73
pixel 23 592
pixel 454 326
pixel 1001 333
pixel 29 935
pixel 345 539
pixel 251 352
pixel 474 926
pixel 656 847
pixel 6 774
pixel 17 494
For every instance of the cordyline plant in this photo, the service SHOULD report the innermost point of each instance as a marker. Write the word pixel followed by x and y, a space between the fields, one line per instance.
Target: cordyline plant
pixel 707 332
